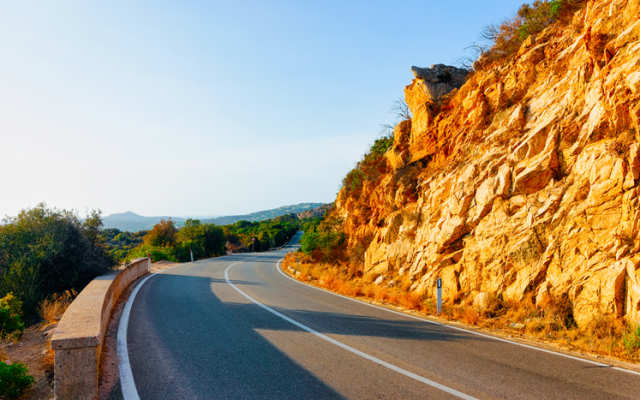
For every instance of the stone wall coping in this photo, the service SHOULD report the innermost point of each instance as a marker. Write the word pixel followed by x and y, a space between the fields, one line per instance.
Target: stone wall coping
pixel 84 321
pixel 77 341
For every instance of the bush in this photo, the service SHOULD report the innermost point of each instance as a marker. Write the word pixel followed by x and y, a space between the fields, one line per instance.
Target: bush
pixel 10 316
pixel 163 234
pixel 45 251
pixel 371 167
pixel 632 340
pixel 157 253
pixel 14 380
pixel 530 20
pixel 323 239
pixel 119 244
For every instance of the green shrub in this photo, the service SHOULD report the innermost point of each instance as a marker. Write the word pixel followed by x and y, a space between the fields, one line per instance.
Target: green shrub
pixel 157 253
pixel 353 180
pixel 14 380
pixel 371 167
pixel 10 316
pixel 381 146
pixel 119 244
pixel 45 251
pixel 530 20
pixel 632 340
pixel 538 16
pixel 323 239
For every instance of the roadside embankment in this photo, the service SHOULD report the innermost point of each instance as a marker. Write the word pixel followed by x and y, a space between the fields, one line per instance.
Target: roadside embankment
pixel 77 342
pixel 609 342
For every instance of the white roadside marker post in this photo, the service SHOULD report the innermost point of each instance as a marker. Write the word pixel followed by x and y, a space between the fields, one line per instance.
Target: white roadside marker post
pixel 191 252
pixel 439 304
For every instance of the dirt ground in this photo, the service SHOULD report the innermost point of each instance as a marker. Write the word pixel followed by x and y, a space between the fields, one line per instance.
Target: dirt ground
pixel 33 351
pixel 162 265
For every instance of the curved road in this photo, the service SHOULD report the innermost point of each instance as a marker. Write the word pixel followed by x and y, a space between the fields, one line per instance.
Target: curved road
pixel 195 333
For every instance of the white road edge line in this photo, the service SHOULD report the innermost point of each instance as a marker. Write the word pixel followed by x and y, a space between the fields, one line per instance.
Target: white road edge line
pixel 499 339
pixel 348 348
pixel 127 384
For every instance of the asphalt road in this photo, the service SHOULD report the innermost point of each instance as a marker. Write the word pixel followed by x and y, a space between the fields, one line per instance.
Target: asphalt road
pixel 195 335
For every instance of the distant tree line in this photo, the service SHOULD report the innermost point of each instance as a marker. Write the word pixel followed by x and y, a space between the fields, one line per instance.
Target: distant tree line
pixel 45 251
pixel 119 243
pixel 166 242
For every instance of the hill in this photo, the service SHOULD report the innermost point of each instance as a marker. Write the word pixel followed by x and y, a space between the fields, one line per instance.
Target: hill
pixel 263 215
pixel 315 212
pixel 132 222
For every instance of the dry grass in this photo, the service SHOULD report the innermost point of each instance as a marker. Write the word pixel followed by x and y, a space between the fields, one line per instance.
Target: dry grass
pixel 48 357
pixel 411 301
pixel 554 322
pixel 343 280
pixel 469 315
pixel 51 309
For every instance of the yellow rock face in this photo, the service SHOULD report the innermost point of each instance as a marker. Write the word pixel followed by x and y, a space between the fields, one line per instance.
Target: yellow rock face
pixel 527 176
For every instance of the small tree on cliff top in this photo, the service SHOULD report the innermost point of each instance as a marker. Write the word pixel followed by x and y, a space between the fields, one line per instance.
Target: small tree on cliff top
pixel 163 234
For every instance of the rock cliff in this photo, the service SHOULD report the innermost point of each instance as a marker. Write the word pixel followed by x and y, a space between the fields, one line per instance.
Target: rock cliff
pixel 523 181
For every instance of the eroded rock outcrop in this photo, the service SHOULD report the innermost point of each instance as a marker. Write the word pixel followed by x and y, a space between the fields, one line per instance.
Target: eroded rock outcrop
pixel 524 180
pixel 440 79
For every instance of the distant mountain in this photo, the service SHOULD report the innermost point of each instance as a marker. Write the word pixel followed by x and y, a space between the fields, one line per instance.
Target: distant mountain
pixel 129 221
pixel 262 215
pixel 315 212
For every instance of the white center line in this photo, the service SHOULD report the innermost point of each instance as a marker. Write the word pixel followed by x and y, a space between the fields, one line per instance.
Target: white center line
pixel 346 347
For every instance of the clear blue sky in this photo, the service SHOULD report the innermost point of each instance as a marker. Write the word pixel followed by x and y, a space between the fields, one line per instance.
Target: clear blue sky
pixel 207 108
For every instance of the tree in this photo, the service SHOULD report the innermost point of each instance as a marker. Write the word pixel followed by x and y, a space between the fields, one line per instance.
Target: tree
pixel 163 234
pixel 45 251
pixel 214 240
pixel 92 225
pixel 401 110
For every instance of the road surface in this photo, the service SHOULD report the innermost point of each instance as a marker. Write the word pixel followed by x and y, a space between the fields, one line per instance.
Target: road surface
pixel 235 327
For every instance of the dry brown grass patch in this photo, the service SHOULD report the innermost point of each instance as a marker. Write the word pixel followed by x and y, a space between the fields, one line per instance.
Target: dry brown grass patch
pixel 554 322
pixel 52 309
pixel 470 316
pixel 410 300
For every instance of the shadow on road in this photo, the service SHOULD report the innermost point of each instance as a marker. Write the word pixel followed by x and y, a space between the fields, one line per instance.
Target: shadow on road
pixel 186 344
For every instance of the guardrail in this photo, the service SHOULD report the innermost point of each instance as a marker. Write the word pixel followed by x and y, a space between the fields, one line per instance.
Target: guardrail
pixel 77 341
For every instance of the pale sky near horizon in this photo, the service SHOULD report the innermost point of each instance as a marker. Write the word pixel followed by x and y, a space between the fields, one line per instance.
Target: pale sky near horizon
pixel 207 108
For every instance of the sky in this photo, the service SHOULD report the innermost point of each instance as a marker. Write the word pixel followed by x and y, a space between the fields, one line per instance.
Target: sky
pixel 191 108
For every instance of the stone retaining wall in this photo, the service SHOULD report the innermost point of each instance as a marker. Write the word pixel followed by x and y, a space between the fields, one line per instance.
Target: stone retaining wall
pixel 77 341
